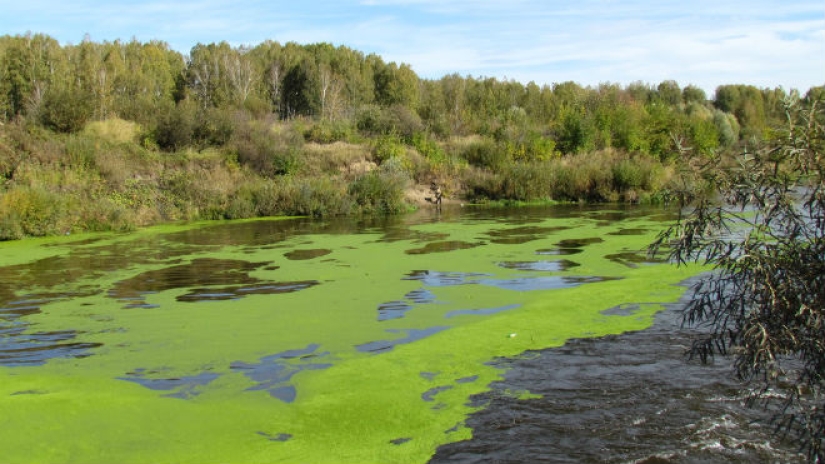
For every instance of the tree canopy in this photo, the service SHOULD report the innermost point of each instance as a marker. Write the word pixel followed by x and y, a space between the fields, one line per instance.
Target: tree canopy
pixel 64 87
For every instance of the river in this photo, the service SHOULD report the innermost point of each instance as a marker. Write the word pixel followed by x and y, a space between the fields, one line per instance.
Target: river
pixel 468 335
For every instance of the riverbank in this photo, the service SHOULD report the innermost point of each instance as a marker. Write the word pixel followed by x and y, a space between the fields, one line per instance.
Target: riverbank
pixel 104 178
pixel 633 397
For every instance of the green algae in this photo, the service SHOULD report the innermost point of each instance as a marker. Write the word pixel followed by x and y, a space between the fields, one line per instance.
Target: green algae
pixel 314 374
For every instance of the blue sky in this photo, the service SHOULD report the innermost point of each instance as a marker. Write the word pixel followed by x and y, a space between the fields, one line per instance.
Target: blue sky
pixel 700 42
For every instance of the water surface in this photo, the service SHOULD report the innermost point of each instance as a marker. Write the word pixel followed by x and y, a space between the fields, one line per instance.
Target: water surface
pixel 345 340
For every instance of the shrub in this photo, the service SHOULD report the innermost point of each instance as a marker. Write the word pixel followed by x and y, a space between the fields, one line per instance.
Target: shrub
pixel 175 128
pixel 527 182
pixel 317 196
pixel 215 126
pixel 31 211
pixel 485 153
pixel 483 186
pixel 269 149
pixel 65 109
pixel 429 148
pixel 387 147
pixel 381 190
pixel 329 132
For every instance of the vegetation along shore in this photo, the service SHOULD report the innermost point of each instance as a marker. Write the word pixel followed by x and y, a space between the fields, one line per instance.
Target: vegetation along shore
pixel 119 135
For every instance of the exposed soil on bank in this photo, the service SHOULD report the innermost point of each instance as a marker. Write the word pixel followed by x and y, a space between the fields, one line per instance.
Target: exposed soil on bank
pixel 630 398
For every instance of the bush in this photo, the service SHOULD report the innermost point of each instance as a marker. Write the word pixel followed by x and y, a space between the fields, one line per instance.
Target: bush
pixel 33 212
pixel 329 132
pixel 175 128
pixel 387 147
pixel 215 126
pixel 65 110
pixel 483 186
pixel 269 149
pixel 381 190
pixel 318 197
pixel 372 120
pixel 528 182
pixel 485 153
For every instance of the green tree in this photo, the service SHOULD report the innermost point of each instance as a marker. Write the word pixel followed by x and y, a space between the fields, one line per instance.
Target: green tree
pixel 297 98
pixel 760 222
pixel 30 65
pixel 693 94
pixel 669 93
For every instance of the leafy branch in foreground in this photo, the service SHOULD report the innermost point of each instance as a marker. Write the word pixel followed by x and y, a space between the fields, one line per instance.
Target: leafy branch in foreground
pixel 759 220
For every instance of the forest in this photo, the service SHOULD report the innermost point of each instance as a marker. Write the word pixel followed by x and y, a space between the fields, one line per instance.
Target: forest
pixel 125 134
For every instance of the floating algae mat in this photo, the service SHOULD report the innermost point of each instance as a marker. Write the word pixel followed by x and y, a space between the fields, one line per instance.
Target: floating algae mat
pixel 297 340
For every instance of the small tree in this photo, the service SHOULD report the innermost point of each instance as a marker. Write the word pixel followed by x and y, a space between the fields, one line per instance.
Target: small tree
pixel 759 220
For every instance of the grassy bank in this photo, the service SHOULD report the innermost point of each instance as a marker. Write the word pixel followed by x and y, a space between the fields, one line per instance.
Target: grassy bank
pixel 111 176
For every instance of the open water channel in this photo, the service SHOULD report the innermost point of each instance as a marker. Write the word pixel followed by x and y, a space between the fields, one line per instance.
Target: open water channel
pixel 468 335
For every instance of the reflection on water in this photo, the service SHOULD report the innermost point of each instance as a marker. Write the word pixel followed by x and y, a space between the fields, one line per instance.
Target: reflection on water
pixel 442 247
pixel 198 273
pixel 549 266
pixel 298 255
pixel 21 347
pixel 633 259
pixel 524 234
pixel 397 309
pixel 184 387
pixel 579 242
pixel 234 293
pixel 444 279
pixel 274 372
pixel 413 335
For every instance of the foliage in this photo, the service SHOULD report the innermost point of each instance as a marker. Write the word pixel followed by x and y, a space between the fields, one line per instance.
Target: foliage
pixel 139 127
pixel 268 148
pixel 381 190
pixel 759 219
pixel 387 147
pixel 29 211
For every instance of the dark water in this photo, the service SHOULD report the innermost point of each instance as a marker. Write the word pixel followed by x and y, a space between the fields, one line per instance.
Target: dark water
pixel 630 398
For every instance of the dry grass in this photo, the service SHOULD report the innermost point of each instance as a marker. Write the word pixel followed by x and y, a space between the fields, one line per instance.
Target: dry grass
pixel 113 130
pixel 338 158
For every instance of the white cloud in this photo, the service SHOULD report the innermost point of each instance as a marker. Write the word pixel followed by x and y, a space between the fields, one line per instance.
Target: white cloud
pixel 706 42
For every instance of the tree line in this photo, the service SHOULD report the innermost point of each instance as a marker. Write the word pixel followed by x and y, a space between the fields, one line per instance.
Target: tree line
pixel 187 100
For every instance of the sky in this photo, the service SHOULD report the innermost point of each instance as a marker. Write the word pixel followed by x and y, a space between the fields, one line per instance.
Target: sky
pixel 705 43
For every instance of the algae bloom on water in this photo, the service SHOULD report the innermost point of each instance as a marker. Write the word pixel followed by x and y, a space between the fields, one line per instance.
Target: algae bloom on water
pixel 296 340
